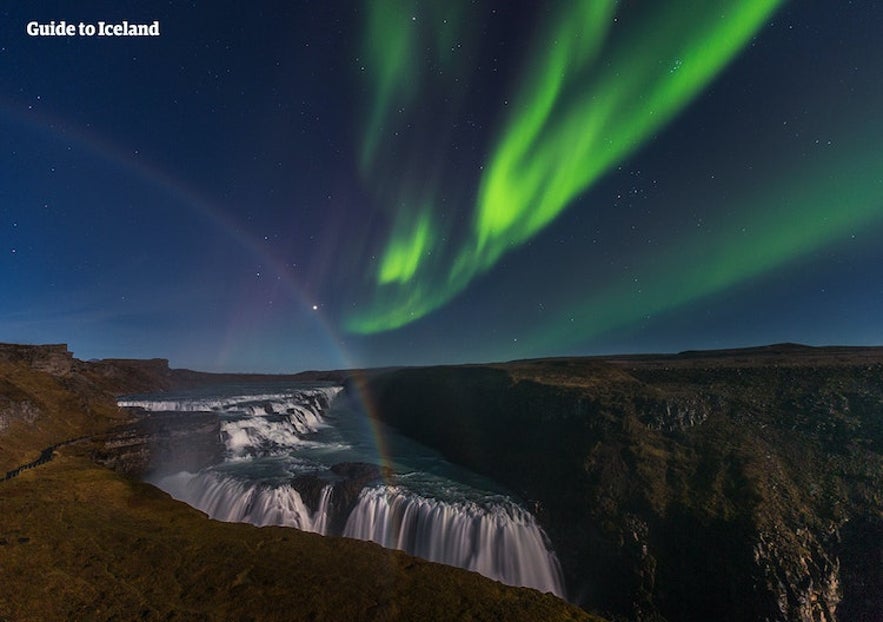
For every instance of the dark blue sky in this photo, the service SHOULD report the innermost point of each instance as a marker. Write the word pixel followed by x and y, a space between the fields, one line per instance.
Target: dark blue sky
pixel 301 185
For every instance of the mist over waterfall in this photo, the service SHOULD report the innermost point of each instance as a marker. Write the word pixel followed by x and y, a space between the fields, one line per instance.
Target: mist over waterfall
pixel 300 457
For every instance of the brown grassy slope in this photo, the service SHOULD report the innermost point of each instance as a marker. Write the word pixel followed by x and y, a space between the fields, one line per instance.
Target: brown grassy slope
pixel 38 409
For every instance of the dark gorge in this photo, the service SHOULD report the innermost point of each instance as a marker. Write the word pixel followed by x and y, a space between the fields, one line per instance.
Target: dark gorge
pixel 736 485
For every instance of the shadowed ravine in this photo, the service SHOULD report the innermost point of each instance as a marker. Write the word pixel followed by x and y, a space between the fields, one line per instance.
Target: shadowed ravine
pixel 735 485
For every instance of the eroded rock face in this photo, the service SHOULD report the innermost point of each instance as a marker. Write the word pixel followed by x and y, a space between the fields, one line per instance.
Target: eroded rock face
pixel 347 480
pixel 127 451
pixel 685 489
pixel 54 359
pixel 676 413
pixel 800 574
pixel 11 411
pixel 163 443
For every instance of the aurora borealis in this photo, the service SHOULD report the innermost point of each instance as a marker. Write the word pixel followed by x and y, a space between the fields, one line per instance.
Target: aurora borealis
pixel 570 122
pixel 395 182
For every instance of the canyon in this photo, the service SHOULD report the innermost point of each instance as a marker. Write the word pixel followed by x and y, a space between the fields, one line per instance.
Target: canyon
pixel 729 485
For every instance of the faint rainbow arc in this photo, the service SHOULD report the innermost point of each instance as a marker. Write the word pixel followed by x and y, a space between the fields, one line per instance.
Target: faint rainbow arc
pixel 221 220
pixel 184 195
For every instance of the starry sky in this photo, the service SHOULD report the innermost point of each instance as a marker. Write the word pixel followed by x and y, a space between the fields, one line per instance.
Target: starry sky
pixel 282 186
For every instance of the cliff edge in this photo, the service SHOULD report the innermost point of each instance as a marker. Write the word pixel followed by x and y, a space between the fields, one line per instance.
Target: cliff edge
pixel 732 485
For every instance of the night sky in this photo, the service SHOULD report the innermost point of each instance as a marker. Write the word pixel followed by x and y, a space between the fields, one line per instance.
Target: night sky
pixel 281 186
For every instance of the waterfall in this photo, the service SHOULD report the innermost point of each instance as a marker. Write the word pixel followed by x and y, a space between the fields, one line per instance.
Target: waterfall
pixel 313 399
pixel 254 424
pixel 501 541
pixel 233 501
pixel 267 434
pixel 281 450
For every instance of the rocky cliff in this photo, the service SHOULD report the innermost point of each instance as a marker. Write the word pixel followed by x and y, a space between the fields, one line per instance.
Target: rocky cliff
pixel 53 359
pixel 740 485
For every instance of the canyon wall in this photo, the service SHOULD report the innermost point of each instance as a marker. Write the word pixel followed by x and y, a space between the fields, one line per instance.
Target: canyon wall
pixel 731 486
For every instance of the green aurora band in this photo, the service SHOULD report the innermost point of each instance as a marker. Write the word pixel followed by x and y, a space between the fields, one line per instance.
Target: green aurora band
pixel 394 45
pixel 828 199
pixel 590 99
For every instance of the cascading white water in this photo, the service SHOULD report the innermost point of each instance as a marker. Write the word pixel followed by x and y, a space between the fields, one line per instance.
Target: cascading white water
pixel 313 399
pixel 257 435
pixel 501 540
pixel 256 424
pixel 232 501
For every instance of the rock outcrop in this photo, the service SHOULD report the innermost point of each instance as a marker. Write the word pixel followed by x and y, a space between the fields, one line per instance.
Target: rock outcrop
pixel 53 359
pixel 347 479
pixel 159 444
pixel 17 410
